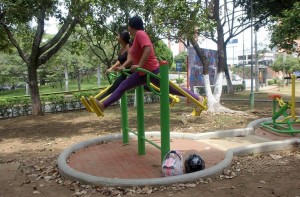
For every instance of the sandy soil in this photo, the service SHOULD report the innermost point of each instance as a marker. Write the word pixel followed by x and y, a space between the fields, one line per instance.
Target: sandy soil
pixel 30 147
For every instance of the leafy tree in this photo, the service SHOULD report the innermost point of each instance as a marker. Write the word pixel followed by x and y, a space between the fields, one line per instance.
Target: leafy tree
pixel 10 72
pixel 103 45
pixel 287 30
pixel 5 45
pixel 216 20
pixel 264 11
pixel 282 18
pixel 31 47
pixel 162 52
pixel 287 64
pixel 180 20
pixel 185 20
pixel 102 26
pixel 230 22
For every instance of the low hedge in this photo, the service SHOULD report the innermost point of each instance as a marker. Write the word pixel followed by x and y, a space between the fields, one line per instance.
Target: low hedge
pixel 59 102
pixel 53 103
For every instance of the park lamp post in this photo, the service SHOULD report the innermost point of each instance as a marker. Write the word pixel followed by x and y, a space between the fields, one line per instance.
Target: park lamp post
pixel 251 92
pixel 244 83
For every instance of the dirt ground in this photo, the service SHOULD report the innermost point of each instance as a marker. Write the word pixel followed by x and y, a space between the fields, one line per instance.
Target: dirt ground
pixel 30 147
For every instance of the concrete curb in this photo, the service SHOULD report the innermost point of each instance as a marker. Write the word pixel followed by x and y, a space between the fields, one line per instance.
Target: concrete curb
pixel 68 172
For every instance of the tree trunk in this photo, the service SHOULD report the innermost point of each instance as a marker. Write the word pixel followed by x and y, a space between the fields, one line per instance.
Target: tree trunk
pixel 27 91
pixel 66 77
pixel 218 86
pixel 77 74
pixel 99 75
pixel 228 80
pixel 42 76
pixel 222 60
pixel 222 64
pixel 210 97
pixel 61 84
pixel 222 56
pixel 202 57
pixel 79 80
pixel 34 91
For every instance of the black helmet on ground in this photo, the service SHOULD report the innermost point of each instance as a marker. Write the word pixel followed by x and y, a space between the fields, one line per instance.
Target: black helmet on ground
pixel 194 163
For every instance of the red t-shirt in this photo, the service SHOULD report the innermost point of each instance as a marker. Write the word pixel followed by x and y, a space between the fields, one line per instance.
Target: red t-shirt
pixel 142 40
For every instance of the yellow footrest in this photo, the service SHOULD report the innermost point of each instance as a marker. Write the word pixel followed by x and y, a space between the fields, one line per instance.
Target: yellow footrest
pixel 86 104
pixel 175 99
pixel 198 111
pixel 95 107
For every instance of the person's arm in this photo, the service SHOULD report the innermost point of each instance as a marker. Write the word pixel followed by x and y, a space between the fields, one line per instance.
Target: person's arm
pixel 113 67
pixel 144 58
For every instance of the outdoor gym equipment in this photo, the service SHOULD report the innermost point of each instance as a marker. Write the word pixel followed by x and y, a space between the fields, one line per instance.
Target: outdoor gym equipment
pixel 201 106
pixel 287 123
pixel 164 119
pixel 85 102
pixel 163 92
pixel 164 111
pixel 89 108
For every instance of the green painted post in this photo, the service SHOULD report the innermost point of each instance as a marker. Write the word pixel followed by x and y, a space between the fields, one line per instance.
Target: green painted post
pixel 251 100
pixel 281 111
pixel 124 118
pixel 164 109
pixel 140 120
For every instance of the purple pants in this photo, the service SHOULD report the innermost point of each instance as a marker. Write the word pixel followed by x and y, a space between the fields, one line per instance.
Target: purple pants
pixel 136 80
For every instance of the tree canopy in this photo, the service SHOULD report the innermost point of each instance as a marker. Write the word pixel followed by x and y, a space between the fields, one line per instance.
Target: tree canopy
pixel 264 11
pixel 29 17
pixel 162 52
pixel 287 30
pixel 282 18
pixel 286 63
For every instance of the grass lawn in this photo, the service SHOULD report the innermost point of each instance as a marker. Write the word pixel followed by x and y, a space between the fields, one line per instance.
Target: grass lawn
pixel 86 84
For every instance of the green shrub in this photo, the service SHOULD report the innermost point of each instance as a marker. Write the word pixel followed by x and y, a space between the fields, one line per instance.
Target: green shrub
pixel 4 109
pixel 270 82
pixel 15 106
pixel 56 102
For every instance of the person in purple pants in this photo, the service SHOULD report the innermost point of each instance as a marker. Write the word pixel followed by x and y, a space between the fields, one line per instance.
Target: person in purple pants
pixel 141 55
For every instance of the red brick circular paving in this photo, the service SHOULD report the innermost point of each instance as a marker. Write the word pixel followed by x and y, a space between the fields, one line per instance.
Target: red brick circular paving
pixel 115 160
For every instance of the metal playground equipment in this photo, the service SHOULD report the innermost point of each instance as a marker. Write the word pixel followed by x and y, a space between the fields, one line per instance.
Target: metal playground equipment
pixel 85 102
pixel 284 120
pixel 110 77
pixel 163 92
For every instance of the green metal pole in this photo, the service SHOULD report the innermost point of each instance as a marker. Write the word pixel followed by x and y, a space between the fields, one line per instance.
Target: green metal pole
pixel 251 93
pixel 164 109
pixel 147 140
pixel 140 120
pixel 251 100
pixel 281 111
pixel 124 118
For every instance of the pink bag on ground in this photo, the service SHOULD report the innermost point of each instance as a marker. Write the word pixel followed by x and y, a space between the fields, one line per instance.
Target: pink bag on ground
pixel 172 164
